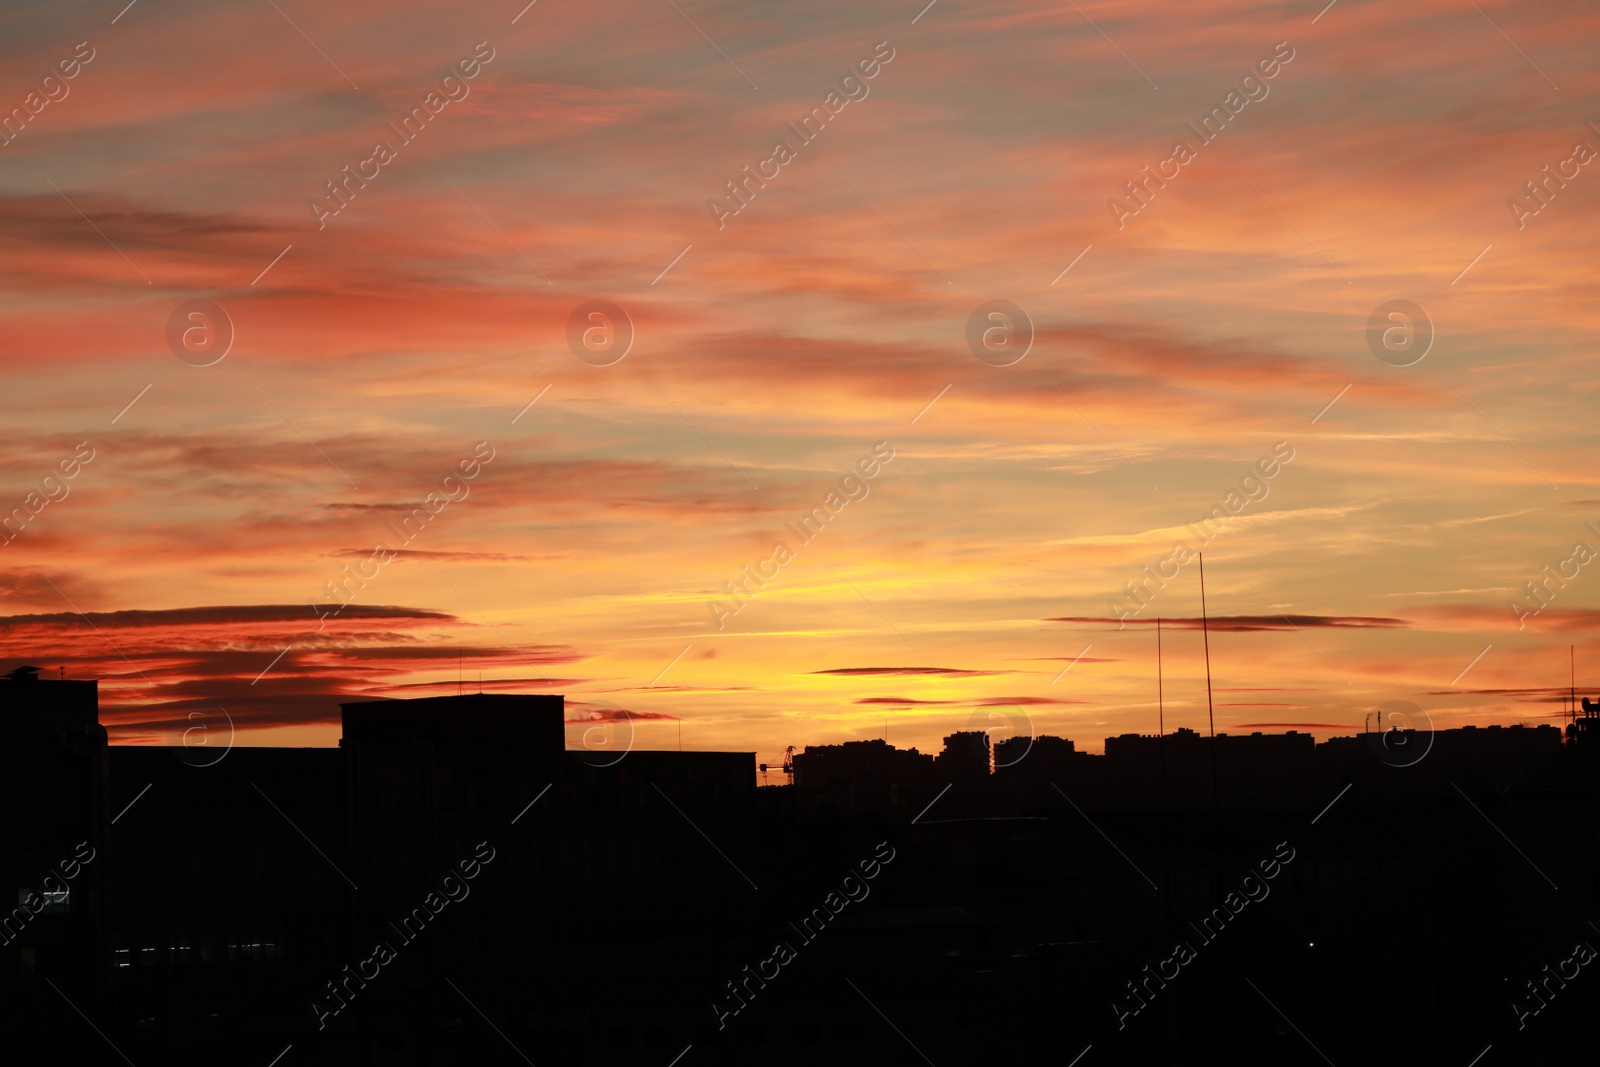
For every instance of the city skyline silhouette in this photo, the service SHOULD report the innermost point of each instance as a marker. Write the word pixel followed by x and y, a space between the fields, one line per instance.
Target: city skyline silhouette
pixel 672 532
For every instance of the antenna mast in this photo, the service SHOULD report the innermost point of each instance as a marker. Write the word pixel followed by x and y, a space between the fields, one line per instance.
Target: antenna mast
pixel 1216 801
pixel 1161 709
pixel 1161 773
pixel 1205 631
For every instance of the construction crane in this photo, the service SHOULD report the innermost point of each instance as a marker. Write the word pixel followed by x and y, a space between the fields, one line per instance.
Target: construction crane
pixel 788 763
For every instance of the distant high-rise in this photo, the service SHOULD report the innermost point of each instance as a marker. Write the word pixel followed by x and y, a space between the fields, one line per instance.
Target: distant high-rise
pixel 965 756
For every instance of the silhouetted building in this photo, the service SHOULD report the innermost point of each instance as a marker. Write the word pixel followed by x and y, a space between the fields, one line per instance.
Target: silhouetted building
pixel 869 777
pixel 513 721
pixel 965 757
pixel 52 866
pixel 1583 733
pixel 451 886
pixel 228 902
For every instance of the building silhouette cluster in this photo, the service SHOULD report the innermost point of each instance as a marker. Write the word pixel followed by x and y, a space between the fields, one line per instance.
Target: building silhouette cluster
pixel 452 885
pixel 1181 771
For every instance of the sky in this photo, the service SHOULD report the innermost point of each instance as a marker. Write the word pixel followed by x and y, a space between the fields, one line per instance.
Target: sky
pixel 254 374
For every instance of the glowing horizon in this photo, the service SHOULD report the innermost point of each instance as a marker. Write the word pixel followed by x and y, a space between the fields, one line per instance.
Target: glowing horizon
pixel 407 217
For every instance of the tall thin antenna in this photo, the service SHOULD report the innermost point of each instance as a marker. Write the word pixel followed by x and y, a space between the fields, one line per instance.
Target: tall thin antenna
pixel 1216 801
pixel 1163 829
pixel 1161 712
pixel 1161 748
pixel 1205 631
pixel 1572 679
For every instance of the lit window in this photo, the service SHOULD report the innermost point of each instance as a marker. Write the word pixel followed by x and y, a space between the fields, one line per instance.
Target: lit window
pixel 255 950
pixel 54 900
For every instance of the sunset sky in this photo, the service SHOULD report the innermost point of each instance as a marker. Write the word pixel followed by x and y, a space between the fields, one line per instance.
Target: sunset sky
pixel 775 347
